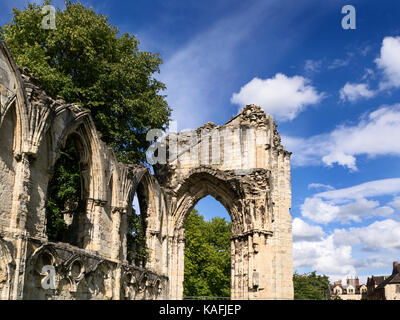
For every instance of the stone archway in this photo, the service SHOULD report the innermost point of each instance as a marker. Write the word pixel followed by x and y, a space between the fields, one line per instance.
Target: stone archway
pixel 197 186
pixel 251 257
pixel 243 165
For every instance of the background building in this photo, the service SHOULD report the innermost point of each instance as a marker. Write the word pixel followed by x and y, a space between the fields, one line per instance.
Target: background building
pixel 385 287
pixel 352 290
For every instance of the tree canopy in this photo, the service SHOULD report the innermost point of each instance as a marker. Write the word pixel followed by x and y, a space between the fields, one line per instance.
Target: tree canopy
pixel 207 257
pixel 310 286
pixel 86 61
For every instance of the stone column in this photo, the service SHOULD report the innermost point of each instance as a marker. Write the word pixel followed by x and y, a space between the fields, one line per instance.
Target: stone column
pixel 20 263
pixel 233 269
pixel 171 267
pixel 91 230
pixel 181 263
pixel 116 233
pixel 21 193
pixel 19 211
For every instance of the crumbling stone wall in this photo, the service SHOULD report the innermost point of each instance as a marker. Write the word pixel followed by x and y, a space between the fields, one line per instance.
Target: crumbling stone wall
pixel 94 265
pixel 242 164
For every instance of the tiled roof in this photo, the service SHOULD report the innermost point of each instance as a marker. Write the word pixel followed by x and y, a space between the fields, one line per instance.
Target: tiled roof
pixel 379 279
pixel 393 279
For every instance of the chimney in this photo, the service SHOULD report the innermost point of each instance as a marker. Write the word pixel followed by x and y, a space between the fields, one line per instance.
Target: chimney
pixel 396 267
pixel 357 282
pixel 352 281
pixel 338 283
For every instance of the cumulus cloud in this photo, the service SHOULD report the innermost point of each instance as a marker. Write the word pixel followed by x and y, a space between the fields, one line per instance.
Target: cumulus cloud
pixel 389 62
pixel 324 256
pixel 395 203
pixel 350 252
pixel 324 211
pixel 201 74
pixel 378 235
pixel 355 91
pixel 305 232
pixel 351 204
pixel 341 159
pixel 281 96
pixel 342 145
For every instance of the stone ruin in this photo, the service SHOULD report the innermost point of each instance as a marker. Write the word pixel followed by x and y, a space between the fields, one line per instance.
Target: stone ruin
pixel 246 169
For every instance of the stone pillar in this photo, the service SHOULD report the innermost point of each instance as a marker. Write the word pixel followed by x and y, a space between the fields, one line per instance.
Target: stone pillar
pixel 94 211
pixel 177 265
pixel 20 264
pixel 233 269
pixel 116 233
pixel 117 283
pixel 21 193
pixel 19 211
pixel 181 263
pixel 171 267
pixel 123 237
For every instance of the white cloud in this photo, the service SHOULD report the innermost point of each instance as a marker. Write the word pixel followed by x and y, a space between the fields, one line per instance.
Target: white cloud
pixel 389 62
pixel 395 203
pixel 350 252
pixel 369 189
pixel 341 159
pixel 356 91
pixel 320 186
pixel 350 204
pixel 324 211
pixel 319 210
pixel 369 73
pixel 324 256
pixel 305 232
pixel 200 76
pixel 338 63
pixel 194 71
pixel 313 66
pixel 282 96
pixel 371 137
pixel 379 235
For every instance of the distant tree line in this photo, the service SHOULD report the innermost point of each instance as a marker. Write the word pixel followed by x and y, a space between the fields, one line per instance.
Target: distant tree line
pixel 310 286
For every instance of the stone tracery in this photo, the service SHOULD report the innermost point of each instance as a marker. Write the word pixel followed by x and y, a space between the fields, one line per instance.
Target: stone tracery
pixel 254 187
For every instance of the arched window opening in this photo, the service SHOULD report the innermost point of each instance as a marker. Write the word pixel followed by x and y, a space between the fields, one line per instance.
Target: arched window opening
pixel 137 252
pixel 65 199
pixel 208 232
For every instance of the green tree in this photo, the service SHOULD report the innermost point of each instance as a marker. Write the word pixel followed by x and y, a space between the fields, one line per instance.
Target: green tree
pixel 310 286
pixel 137 250
pixel 207 256
pixel 87 61
pixel 64 192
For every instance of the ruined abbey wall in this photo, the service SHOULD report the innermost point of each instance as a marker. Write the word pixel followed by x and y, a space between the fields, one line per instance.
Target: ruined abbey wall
pixel 242 164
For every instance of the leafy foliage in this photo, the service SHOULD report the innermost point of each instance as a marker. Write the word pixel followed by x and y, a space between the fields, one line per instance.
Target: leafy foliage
pixel 310 286
pixel 85 61
pixel 136 240
pixel 207 256
pixel 64 192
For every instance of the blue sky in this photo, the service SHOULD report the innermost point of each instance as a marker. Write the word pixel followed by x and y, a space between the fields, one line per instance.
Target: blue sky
pixel 335 94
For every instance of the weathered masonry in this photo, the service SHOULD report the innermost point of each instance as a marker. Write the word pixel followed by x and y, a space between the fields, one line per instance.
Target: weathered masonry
pixel 242 164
